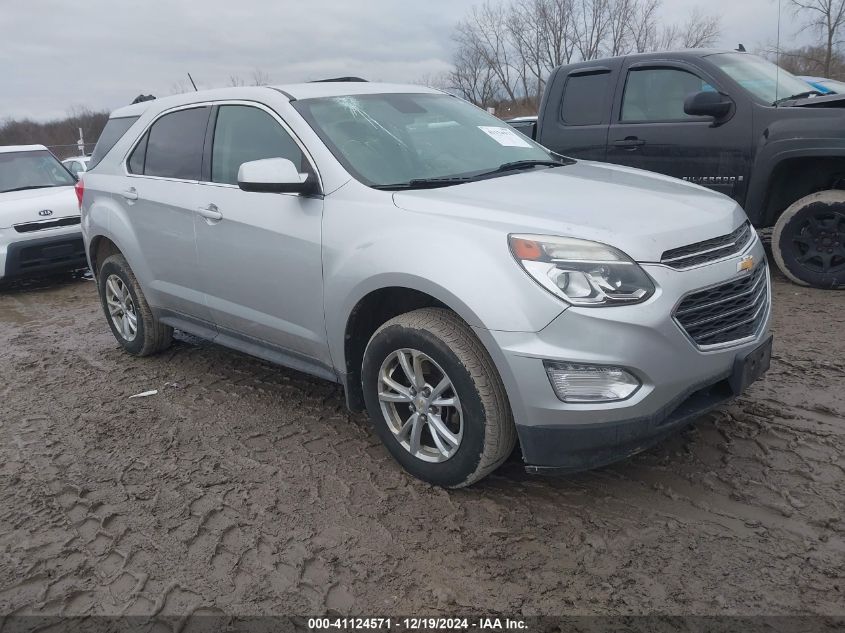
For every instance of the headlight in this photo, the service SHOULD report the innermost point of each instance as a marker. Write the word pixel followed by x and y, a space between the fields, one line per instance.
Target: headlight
pixel 581 272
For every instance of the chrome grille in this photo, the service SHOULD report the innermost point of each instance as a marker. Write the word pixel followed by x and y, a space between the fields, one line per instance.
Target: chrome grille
pixel 709 250
pixel 728 312
pixel 40 225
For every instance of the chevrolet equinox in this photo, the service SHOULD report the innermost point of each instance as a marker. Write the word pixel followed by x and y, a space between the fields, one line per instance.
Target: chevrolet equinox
pixel 467 287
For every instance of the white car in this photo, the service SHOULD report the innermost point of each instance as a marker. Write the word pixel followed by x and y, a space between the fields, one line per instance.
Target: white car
pixel 77 164
pixel 39 214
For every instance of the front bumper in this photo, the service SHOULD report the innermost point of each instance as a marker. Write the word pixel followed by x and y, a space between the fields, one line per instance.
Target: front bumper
pixel 680 382
pixel 50 250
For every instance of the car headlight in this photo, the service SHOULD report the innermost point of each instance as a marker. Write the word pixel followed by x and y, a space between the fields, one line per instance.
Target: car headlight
pixel 581 272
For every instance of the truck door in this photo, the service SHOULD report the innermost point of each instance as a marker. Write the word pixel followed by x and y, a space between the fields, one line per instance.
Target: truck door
pixel 650 130
pixel 576 110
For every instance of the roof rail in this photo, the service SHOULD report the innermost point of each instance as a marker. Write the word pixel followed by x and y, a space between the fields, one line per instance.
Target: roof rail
pixel 318 81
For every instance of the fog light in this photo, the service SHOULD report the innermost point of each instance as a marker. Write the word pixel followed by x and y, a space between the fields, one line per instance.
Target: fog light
pixel 591 383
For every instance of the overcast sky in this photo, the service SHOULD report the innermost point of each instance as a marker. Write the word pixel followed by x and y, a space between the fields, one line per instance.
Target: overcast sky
pixel 56 54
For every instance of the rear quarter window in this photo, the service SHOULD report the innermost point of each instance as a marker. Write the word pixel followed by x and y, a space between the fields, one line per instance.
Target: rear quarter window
pixel 112 133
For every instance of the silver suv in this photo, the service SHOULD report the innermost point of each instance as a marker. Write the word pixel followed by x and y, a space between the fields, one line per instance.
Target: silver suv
pixel 466 286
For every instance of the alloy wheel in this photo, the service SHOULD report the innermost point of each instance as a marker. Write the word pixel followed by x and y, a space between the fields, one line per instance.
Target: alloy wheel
pixel 121 308
pixel 420 405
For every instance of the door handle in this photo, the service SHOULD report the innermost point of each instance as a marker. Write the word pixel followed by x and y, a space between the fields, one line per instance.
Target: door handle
pixel 210 212
pixel 130 194
pixel 629 143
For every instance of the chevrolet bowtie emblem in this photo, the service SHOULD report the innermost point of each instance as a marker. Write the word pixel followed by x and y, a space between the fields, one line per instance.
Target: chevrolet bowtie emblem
pixel 746 263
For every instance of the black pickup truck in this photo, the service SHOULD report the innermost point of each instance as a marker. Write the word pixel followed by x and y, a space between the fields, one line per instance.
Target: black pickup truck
pixel 729 121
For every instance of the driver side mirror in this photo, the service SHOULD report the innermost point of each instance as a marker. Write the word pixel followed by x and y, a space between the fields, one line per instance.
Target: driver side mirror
pixel 709 103
pixel 275 175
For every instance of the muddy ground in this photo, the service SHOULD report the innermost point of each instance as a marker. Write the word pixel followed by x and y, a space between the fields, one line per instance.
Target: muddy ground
pixel 248 489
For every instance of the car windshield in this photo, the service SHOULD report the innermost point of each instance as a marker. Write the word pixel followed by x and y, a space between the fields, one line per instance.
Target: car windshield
pixel 405 139
pixel 834 86
pixel 31 170
pixel 761 78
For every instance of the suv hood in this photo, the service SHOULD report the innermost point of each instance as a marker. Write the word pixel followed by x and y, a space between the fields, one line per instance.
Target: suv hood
pixel 18 207
pixel 640 213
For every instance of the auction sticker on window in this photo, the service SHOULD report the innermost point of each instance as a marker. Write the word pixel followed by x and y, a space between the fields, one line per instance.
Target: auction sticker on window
pixel 504 136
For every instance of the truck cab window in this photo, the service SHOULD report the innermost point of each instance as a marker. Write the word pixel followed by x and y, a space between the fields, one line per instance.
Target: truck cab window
pixel 658 94
pixel 580 96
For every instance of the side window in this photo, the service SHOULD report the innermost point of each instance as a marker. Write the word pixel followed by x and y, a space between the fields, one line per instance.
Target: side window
pixel 245 133
pixel 583 97
pixel 139 154
pixel 73 167
pixel 174 144
pixel 658 94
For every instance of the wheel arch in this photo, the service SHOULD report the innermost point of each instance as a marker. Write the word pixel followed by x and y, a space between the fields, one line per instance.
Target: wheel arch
pixel 99 249
pixel 792 177
pixel 373 307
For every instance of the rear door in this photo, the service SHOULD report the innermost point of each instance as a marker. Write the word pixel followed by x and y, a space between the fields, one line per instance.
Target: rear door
pixel 260 253
pixel 651 131
pixel 160 199
pixel 575 119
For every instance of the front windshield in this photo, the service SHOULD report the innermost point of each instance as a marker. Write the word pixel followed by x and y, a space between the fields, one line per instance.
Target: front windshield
pixel 834 86
pixel 389 139
pixel 760 77
pixel 31 170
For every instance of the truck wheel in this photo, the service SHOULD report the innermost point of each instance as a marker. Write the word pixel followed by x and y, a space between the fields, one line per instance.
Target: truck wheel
pixel 436 399
pixel 808 242
pixel 128 313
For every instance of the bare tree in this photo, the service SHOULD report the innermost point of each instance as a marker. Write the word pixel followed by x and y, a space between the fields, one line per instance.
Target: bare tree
pixel 259 78
pixel 590 27
pixel 643 26
pixel 506 50
pixel 484 32
pixel 826 17
pixel 473 78
pixel 700 30
pixel 620 16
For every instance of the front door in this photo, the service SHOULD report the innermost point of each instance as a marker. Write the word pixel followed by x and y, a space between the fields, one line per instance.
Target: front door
pixel 260 253
pixel 651 131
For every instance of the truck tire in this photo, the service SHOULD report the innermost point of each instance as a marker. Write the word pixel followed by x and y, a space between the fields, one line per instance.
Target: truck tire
pixel 127 311
pixel 808 242
pixel 436 399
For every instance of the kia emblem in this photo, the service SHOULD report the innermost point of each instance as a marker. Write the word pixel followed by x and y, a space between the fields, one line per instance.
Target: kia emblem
pixel 45 212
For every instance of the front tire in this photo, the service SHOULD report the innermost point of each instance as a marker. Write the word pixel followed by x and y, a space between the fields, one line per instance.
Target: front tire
pixel 436 399
pixel 808 242
pixel 127 311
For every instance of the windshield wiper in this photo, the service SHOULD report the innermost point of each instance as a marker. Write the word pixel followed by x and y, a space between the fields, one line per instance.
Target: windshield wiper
pixel 432 183
pixel 426 183
pixel 30 187
pixel 525 164
pixel 800 95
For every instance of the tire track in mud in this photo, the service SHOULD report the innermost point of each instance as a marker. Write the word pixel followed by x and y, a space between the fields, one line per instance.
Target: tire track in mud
pixel 249 489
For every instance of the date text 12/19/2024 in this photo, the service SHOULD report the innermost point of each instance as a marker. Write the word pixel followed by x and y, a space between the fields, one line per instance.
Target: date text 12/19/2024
pixel 417 624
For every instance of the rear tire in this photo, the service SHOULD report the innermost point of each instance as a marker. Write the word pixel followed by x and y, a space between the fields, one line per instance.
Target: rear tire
pixel 127 311
pixel 808 241
pixel 467 430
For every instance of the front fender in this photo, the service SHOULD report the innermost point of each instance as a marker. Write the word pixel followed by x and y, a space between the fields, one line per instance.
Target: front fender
pixel 465 265
pixel 817 137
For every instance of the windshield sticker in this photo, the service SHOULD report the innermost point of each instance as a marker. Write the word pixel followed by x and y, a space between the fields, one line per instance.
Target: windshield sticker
pixel 504 136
